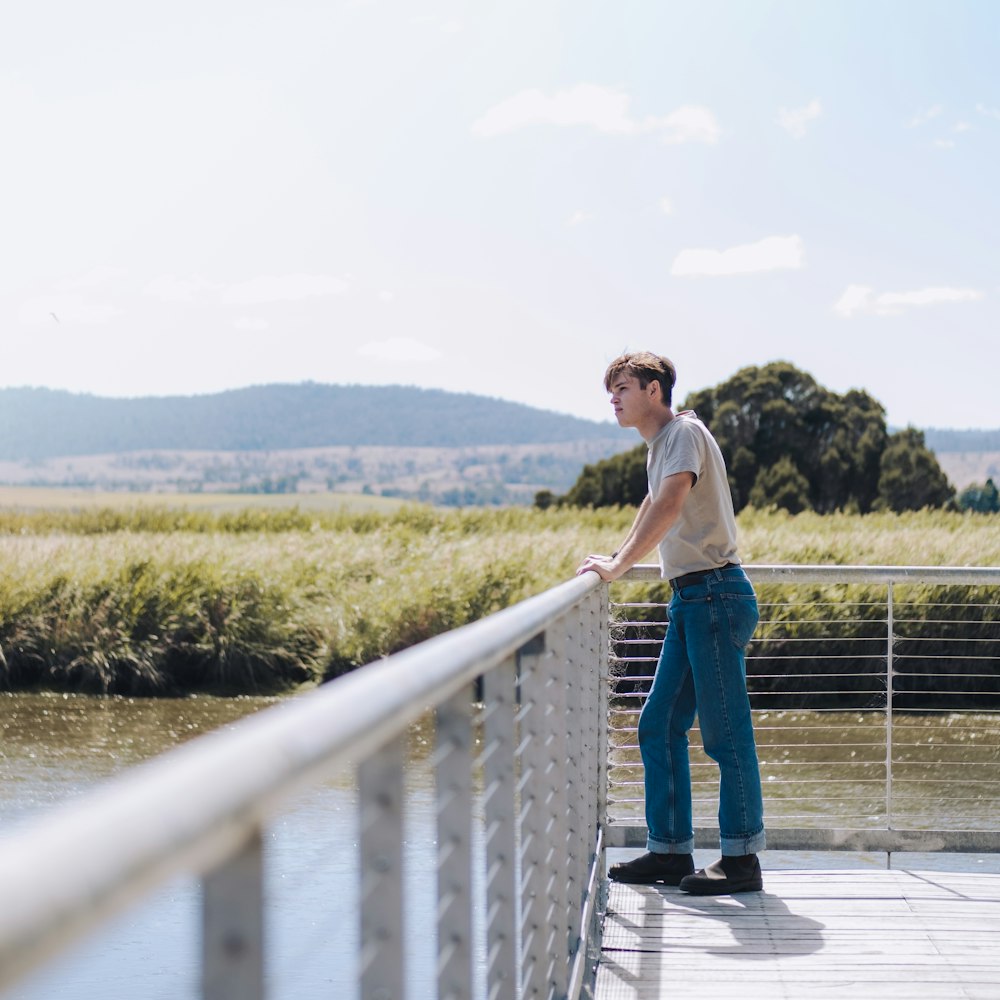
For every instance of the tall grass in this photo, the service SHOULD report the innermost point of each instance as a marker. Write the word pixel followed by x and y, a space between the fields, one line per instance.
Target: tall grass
pixel 165 601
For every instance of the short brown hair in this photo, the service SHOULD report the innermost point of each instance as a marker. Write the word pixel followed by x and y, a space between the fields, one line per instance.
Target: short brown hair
pixel 646 367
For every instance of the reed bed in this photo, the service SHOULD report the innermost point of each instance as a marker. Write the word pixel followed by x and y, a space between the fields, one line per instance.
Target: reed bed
pixel 154 601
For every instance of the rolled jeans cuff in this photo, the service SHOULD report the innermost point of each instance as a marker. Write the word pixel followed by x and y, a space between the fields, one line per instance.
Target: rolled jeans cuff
pixel 739 846
pixel 669 846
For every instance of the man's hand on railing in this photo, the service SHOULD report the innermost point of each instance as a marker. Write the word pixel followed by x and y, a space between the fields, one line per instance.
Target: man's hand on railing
pixel 608 568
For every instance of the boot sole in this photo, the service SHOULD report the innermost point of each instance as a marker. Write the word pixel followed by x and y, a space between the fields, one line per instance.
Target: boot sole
pixel 721 888
pixel 645 880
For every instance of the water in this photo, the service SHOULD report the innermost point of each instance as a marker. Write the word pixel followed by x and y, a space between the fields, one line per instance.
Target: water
pixel 54 747
pixel 825 769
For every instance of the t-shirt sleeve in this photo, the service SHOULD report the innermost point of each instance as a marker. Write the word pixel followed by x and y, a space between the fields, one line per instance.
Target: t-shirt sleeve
pixel 686 453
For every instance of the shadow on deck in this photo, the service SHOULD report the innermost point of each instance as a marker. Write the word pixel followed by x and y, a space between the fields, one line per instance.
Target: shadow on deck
pixel 852 929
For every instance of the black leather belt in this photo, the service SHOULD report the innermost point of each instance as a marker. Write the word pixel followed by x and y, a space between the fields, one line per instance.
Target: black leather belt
pixel 688 578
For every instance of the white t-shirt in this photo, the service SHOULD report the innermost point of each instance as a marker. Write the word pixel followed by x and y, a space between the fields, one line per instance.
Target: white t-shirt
pixel 704 535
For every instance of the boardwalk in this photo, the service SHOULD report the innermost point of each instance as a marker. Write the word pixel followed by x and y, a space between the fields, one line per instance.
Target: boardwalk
pixel 810 934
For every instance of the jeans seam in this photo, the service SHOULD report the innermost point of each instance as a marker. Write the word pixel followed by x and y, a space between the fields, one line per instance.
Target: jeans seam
pixel 667 730
pixel 724 703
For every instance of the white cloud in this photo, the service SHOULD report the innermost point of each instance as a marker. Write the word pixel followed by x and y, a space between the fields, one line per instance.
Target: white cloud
pixel 689 124
pixel 666 206
pixel 989 112
pixel 934 111
pixel 66 309
pixel 856 298
pixel 283 288
pixel 250 324
pixel 944 143
pixel 579 217
pixel 862 299
pixel 795 120
pixel 585 104
pixel 770 254
pixel 401 349
pixel 595 107
pixel 173 289
pixel 962 127
pixel 96 276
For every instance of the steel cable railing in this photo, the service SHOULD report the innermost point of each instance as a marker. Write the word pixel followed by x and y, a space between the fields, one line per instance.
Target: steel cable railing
pixel 876 706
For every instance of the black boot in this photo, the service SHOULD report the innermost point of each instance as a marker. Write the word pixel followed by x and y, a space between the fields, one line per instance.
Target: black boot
pixel 728 875
pixel 653 868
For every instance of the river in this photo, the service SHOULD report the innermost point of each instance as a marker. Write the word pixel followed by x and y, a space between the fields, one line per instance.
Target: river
pixel 54 747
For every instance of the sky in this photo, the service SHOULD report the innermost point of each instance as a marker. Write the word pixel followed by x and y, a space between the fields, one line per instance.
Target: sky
pixel 500 198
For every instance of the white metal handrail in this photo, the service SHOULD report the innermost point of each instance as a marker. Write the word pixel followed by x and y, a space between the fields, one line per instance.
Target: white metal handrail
pixel 796 573
pixel 202 808
pixel 866 778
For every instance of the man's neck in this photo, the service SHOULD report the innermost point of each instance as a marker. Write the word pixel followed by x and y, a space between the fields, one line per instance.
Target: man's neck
pixel 655 424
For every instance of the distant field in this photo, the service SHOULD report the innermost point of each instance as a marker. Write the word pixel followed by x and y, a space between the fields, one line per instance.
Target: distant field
pixel 966 467
pixel 450 476
pixel 58 498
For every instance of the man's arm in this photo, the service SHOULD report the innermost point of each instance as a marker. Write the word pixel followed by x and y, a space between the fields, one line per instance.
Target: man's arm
pixel 636 521
pixel 639 515
pixel 653 520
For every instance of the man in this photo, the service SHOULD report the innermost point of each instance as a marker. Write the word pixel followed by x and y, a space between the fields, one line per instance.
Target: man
pixel 688 514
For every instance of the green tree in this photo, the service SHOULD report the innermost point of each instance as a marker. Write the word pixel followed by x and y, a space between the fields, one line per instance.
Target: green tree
pixel 983 498
pixel 909 475
pixel 544 499
pixel 765 414
pixel 620 479
pixel 781 485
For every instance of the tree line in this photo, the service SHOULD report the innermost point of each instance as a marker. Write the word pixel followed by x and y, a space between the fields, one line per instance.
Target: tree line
pixel 792 444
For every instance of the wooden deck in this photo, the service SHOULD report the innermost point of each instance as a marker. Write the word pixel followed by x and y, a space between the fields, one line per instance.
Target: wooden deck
pixel 869 933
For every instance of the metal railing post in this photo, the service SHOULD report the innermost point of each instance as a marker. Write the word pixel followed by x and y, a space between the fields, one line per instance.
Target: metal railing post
pixel 889 684
pixel 454 824
pixel 380 789
pixel 233 926
pixel 536 958
pixel 603 708
pixel 583 690
pixel 500 809
pixel 590 694
pixel 574 684
pixel 559 855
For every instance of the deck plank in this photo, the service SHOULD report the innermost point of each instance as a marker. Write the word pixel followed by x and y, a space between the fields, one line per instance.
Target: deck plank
pixel 890 933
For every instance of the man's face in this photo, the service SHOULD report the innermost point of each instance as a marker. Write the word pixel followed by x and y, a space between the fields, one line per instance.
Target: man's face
pixel 632 403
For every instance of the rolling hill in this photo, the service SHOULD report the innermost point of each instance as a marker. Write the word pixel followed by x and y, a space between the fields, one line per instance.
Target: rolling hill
pixel 45 423
pixel 389 441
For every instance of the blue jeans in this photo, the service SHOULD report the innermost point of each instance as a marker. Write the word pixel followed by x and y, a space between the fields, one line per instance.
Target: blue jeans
pixel 702 668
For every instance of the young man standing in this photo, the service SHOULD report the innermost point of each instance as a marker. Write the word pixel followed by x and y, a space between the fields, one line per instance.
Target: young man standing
pixel 688 514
